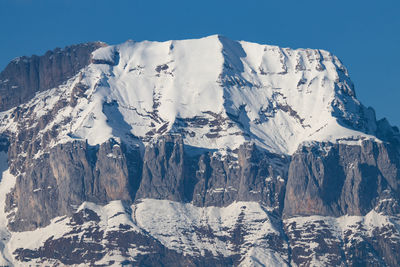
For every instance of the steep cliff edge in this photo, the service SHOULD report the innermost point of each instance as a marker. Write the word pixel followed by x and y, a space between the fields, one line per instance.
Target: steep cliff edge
pixel 335 180
pixel 25 76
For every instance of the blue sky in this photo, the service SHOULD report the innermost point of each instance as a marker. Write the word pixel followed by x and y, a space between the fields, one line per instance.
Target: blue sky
pixel 365 35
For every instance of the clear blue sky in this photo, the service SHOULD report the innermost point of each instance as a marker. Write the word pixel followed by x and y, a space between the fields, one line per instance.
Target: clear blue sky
pixel 365 35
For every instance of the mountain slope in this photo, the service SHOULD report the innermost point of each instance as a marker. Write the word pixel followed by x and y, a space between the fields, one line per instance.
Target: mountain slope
pixel 197 152
pixel 275 97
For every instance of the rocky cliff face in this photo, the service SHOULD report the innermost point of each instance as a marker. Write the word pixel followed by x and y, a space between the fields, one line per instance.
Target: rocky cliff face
pixel 73 173
pixel 120 164
pixel 25 76
pixel 334 179
pixel 68 175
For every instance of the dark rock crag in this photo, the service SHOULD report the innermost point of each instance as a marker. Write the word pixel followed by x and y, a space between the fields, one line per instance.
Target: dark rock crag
pixel 58 181
pixel 335 180
pixel 25 76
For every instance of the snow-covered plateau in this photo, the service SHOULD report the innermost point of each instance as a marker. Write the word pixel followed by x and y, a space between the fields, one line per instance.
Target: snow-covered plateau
pixel 219 92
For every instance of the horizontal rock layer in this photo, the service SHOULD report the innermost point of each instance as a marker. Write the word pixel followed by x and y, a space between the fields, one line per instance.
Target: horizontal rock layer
pixel 58 181
pixel 323 179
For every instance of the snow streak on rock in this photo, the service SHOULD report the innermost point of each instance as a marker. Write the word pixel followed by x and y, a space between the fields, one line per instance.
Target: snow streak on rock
pixel 243 233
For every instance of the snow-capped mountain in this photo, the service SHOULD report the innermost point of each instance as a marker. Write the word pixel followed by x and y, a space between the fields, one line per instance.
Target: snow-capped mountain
pixel 194 152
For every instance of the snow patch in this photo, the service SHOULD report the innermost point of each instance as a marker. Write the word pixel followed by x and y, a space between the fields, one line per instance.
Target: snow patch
pixel 7 182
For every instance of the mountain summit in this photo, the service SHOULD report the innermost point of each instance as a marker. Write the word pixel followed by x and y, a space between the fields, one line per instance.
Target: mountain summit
pixel 194 152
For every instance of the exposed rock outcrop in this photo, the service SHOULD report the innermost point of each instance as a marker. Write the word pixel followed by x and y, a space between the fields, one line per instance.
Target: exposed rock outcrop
pixel 324 179
pixel 59 181
pixel 24 76
pixel 336 179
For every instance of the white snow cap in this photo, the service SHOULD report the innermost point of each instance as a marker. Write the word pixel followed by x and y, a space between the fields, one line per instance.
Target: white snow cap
pixel 219 93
